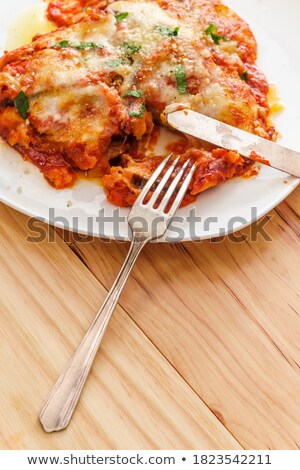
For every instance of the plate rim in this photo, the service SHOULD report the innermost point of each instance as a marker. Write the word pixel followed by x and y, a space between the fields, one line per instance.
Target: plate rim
pixel 268 208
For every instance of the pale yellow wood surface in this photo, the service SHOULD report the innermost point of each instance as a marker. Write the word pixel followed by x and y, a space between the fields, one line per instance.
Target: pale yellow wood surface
pixel 226 316
pixel 134 398
pixel 203 351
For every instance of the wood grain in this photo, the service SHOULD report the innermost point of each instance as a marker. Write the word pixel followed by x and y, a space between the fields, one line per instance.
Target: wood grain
pixel 226 316
pixel 134 398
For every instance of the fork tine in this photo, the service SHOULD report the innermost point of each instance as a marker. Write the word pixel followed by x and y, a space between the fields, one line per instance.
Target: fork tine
pixel 176 203
pixel 162 183
pixel 152 180
pixel 182 191
pixel 166 199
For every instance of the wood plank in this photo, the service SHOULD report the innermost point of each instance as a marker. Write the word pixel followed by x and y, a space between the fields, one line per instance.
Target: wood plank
pixel 134 398
pixel 289 211
pixel 226 316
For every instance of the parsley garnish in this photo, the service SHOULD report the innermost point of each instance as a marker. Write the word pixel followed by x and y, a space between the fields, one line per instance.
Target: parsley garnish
pixel 82 45
pixel 244 76
pixel 181 79
pixel 121 16
pixel 115 63
pixel 88 45
pixel 134 93
pixel 210 31
pixel 167 31
pixel 138 114
pixel 62 44
pixel 22 104
pixel 131 49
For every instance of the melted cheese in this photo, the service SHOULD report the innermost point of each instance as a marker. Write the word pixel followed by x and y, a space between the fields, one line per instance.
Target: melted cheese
pixel 56 70
pixel 275 101
pixel 143 22
pixel 76 94
pixel 94 31
pixel 80 114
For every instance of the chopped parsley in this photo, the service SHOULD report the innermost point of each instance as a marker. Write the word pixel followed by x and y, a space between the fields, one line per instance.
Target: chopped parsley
pixel 62 44
pixel 210 31
pixel 167 31
pixel 138 114
pixel 131 49
pixel 245 76
pixel 22 104
pixel 81 46
pixel 181 79
pixel 88 45
pixel 115 63
pixel 121 16
pixel 134 93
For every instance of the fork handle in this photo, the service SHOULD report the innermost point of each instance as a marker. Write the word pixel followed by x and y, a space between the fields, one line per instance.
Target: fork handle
pixel 58 409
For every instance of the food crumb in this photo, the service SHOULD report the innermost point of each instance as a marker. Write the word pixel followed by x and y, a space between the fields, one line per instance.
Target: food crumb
pixel 253 171
pixel 69 204
pixel 19 190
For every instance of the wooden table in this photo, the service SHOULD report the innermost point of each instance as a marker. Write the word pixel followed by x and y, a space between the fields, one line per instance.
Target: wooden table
pixel 202 352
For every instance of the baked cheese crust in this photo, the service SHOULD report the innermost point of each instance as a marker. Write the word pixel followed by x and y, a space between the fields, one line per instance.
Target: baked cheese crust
pixel 81 98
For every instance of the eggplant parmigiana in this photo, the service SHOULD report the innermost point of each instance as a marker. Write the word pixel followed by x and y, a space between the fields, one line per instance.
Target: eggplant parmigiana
pixel 82 97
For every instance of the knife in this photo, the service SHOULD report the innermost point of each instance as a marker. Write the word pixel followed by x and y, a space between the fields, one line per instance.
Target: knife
pixel 228 137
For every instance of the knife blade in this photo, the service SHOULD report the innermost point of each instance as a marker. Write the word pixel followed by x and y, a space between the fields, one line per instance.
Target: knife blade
pixel 230 138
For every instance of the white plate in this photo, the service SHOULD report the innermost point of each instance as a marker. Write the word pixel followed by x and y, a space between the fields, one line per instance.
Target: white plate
pixel 233 205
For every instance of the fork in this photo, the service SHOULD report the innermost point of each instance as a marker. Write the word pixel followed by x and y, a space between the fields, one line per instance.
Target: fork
pixel 157 211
